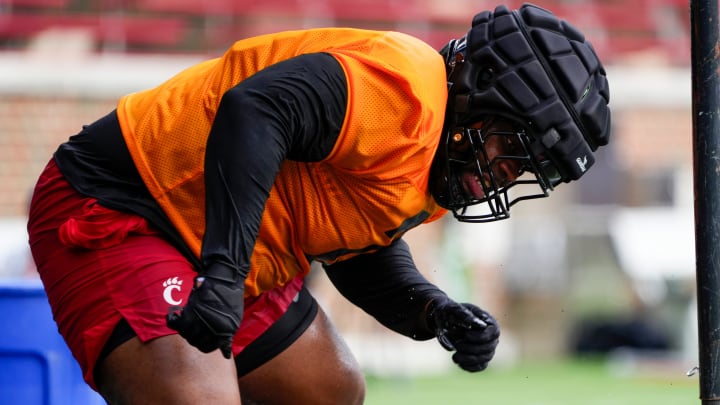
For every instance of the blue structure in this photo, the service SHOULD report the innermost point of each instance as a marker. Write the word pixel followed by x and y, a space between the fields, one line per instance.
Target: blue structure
pixel 36 368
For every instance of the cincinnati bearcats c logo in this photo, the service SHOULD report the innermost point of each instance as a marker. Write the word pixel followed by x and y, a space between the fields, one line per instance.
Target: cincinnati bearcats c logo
pixel 170 285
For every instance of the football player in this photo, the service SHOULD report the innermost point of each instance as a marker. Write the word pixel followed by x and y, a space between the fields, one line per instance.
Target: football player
pixel 173 235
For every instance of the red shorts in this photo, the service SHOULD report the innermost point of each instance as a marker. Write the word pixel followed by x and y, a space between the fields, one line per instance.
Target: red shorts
pixel 100 265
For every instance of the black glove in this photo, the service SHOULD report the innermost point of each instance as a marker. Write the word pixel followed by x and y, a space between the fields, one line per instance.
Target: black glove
pixel 213 311
pixel 467 329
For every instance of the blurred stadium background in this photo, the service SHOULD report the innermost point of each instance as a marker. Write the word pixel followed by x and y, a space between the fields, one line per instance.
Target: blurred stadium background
pixel 604 267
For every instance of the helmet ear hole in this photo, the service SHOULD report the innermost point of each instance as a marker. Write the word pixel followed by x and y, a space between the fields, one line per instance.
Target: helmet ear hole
pixel 458 137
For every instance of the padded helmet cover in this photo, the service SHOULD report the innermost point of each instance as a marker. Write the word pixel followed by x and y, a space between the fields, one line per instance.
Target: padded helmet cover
pixel 530 66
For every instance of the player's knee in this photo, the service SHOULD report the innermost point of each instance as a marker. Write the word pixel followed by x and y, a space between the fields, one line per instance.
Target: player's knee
pixel 341 388
pixel 353 389
pixel 344 385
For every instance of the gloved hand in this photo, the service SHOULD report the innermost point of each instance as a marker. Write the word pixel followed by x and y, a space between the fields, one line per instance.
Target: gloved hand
pixel 468 330
pixel 213 311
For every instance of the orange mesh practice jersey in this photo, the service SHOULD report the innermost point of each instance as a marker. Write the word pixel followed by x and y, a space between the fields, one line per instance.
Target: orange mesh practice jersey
pixel 366 193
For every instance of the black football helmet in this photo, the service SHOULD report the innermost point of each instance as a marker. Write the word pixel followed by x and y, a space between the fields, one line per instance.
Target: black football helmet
pixel 533 82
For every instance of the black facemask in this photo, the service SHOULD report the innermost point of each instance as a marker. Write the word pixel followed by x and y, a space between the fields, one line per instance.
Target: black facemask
pixel 479 174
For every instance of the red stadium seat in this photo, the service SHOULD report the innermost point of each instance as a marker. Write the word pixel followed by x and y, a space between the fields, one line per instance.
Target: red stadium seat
pixel 57 4
pixel 374 10
pixel 221 8
pixel 113 28
pixel 616 27
pixel 193 7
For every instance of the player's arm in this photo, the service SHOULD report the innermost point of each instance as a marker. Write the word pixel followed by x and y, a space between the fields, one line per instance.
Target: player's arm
pixel 291 110
pixel 387 285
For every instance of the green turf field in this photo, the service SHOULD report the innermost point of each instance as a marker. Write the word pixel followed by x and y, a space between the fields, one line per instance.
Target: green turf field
pixel 561 383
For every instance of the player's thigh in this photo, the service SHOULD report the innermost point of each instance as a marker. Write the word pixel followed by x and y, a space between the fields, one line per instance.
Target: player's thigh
pixel 317 368
pixel 166 370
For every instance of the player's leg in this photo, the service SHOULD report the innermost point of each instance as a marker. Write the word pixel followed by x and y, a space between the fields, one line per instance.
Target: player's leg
pixel 316 369
pixel 300 359
pixel 107 267
pixel 166 370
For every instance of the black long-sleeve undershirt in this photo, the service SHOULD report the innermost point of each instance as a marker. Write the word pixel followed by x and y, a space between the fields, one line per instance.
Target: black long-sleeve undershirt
pixel 387 285
pixel 291 110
